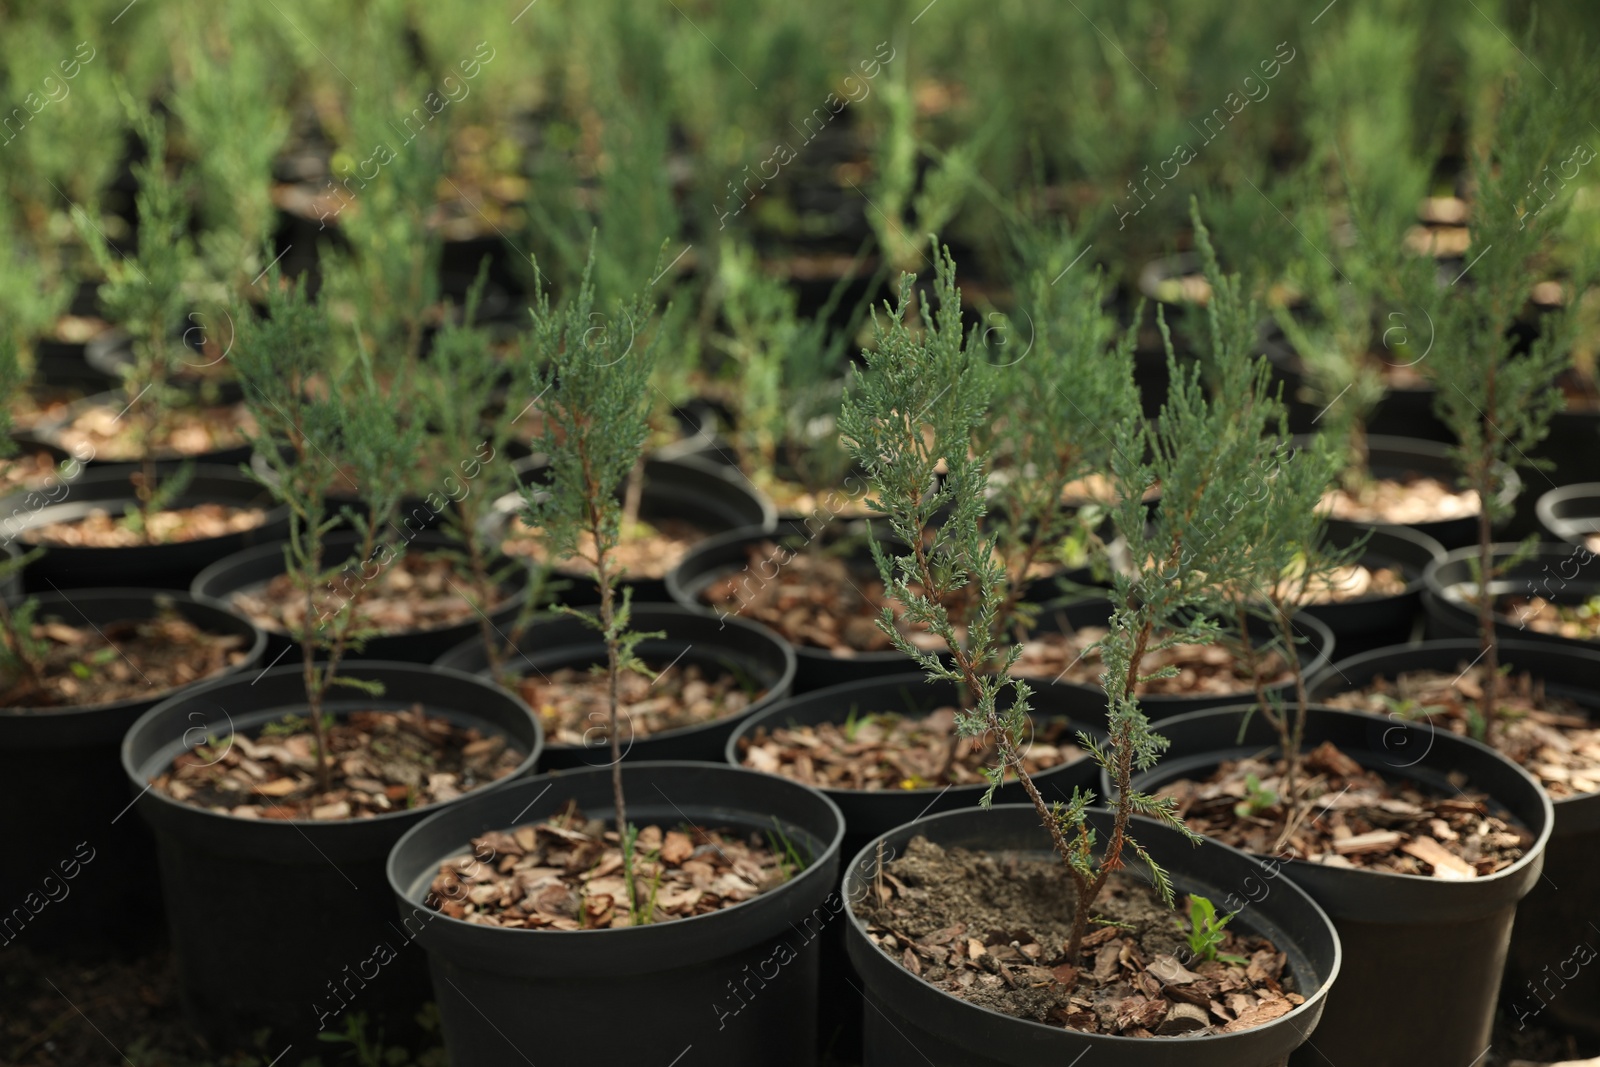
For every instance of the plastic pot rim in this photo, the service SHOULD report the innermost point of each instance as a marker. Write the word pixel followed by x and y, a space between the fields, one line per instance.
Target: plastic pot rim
pixel 644 610
pixel 731 750
pixel 643 932
pixel 863 860
pixel 352 667
pixel 257 647
pixel 1534 852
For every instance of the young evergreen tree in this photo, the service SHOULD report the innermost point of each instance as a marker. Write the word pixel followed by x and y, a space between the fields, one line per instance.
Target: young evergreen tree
pixel 336 432
pixel 1497 400
pixel 914 415
pixel 788 367
pixel 145 295
pixel 592 375
pixel 1276 514
pixel 1202 451
pixel 1064 375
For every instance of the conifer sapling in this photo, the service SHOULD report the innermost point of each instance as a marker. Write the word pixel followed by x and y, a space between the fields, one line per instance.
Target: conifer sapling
pixel 146 296
pixel 914 414
pixel 1496 400
pixel 593 384
pixel 340 432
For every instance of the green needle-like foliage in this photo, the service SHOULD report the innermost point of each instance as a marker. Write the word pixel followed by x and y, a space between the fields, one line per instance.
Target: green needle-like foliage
pixel 913 414
pixel 912 420
pixel 317 435
pixel 904 190
pixel 234 123
pixel 1354 319
pixel 33 288
pixel 385 286
pixel 1499 401
pixel 1064 376
pixel 1276 512
pixel 591 373
pixel 146 294
pixel 787 370
pixel 1203 451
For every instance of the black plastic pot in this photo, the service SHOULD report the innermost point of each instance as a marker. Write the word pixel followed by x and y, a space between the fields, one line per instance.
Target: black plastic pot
pixel 710 496
pixel 61 364
pixel 1436 946
pixel 1315 654
pixel 274 921
pixel 748 649
pixel 1571 513
pixel 253 566
pixel 736 986
pixel 1562 574
pixel 717 557
pixel 913 1024
pixel 49 432
pixel 1378 621
pixel 167 566
pixel 1571 445
pixel 1405 457
pixel 63 797
pixel 697 423
pixel 1555 914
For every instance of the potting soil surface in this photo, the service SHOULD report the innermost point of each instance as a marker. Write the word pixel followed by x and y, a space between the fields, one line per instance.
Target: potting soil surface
pixel 567 873
pixel 992 928
pixel 888 751
pixel 380 761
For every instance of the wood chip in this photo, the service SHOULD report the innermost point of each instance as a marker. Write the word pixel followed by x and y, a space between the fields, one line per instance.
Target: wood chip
pixel 1264 1012
pixel 1184 1019
pixel 1375 841
pixel 1169 970
pixel 1444 864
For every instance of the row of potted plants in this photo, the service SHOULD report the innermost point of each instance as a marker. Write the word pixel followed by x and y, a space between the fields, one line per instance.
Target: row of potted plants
pixel 418 486
pixel 213 765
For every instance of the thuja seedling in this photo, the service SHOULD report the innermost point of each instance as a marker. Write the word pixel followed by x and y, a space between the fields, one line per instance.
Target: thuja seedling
pixel 917 411
pixel 596 421
pixel 455 396
pixel 350 427
pixel 1497 401
pixel 1282 529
